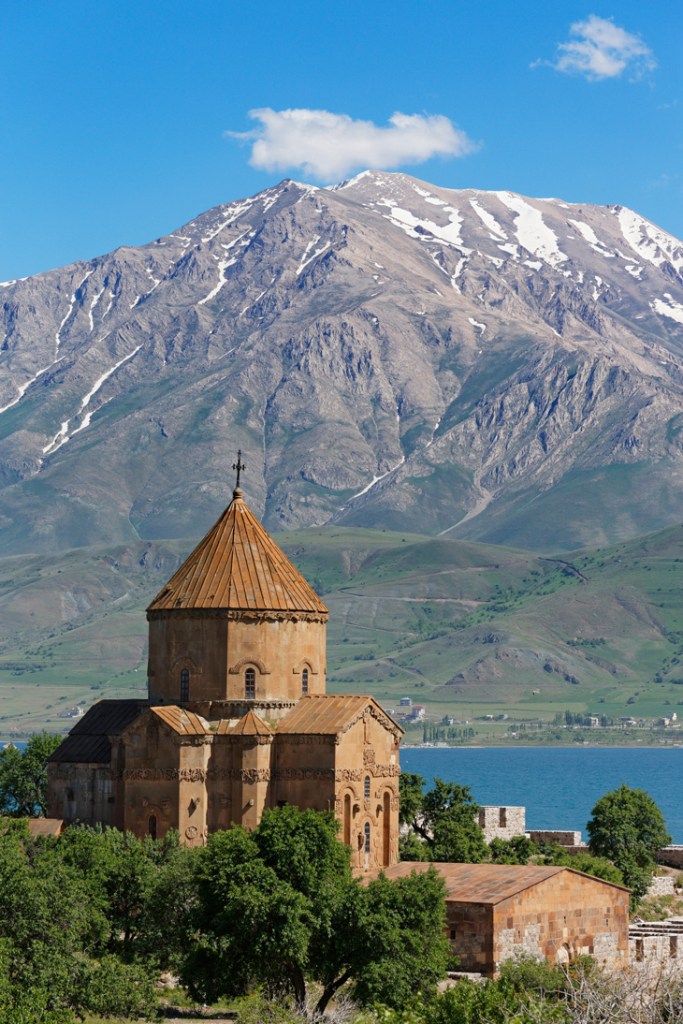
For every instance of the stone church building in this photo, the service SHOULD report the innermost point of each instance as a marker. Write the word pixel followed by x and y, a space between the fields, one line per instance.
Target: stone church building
pixel 237 718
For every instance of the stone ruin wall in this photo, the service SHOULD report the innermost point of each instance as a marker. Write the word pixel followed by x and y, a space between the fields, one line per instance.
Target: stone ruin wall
pixel 502 822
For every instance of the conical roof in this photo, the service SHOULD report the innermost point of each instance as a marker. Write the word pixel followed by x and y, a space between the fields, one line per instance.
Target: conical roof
pixel 238 567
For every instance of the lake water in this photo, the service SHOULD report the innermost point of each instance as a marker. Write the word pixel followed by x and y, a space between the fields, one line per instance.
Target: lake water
pixel 558 785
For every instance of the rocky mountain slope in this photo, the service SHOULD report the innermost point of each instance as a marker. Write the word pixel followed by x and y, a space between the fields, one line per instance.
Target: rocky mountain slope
pixel 385 353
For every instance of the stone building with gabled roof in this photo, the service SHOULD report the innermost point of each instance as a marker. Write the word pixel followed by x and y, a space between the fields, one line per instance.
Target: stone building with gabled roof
pixel 237 718
pixel 495 912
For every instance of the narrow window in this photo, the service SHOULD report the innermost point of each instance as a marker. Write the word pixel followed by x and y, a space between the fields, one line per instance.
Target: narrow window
pixel 304 682
pixel 673 945
pixel 640 951
pixel 153 826
pixel 386 830
pixel 367 838
pixel 366 791
pixel 502 817
pixel 250 684
pixel 454 934
pixel 184 685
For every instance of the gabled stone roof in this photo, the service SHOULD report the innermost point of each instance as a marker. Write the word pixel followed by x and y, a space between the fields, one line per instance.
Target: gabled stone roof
pixel 328 714
pixel 249 725
pixel 89 740
pixel 185 723
pixel 488 883
pixel 238 566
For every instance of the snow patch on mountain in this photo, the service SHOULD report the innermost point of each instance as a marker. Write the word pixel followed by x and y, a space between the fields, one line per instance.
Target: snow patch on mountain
pixel 532 231
pixel 416 227
pixel 306 259
pixel 588 235
pixel 489 221
pixel 62 436
pixel 670 308
pixel 650 242
pixel 67 315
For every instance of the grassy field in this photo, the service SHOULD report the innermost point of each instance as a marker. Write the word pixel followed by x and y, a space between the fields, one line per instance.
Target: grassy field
pixel 465 629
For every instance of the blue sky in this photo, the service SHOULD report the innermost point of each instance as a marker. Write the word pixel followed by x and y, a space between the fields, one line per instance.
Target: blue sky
pixel 113 115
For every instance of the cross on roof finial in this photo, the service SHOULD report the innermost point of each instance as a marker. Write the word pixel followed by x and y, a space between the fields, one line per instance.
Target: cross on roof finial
pixel 238 466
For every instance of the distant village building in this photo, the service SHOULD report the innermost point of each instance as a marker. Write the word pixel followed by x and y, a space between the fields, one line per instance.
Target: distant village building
pixel 237 719
pixel 497 911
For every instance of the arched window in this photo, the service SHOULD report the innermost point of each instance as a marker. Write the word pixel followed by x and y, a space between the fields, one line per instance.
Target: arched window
pixel 386 830
pixel 184 685
pixel 250 684
pixel 367 839
pixel 304 682
pixel 366 788
pixel 347 819
pixel 153 826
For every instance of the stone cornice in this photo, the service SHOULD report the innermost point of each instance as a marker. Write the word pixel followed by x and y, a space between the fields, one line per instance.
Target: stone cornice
pixel 237 615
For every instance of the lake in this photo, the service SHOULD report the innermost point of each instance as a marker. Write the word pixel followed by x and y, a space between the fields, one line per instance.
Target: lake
pixel 558 785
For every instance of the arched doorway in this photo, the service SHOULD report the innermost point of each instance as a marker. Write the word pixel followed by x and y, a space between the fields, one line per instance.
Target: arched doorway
pixel 563 956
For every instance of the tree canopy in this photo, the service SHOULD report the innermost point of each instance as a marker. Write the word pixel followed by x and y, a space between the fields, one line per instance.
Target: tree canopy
pixel 280 907
pixel 443 821
pixel 628 827
pixel 23 776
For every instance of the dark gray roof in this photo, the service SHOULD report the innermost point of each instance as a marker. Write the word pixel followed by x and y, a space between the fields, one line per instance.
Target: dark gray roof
pixel 89 740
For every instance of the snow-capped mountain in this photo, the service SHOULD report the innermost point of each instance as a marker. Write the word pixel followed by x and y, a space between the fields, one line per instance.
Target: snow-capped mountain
pixel 385 353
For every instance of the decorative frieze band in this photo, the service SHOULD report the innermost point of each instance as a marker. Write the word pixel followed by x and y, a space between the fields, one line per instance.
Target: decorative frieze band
pixel 251 775
pixel 236 615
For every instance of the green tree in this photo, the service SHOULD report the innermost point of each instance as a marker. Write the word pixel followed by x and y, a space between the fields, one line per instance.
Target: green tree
pixel 445 821
pixel 517 850
pixel 279 907
pixel 628 828
pixel 411 793
pixel 23 776
pixel 589 863
pixel 404 932
pixel 139 887
pixel 44 928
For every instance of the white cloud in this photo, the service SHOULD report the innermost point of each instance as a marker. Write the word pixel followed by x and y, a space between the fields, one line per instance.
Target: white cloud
pixel 329 146
pixel 602 50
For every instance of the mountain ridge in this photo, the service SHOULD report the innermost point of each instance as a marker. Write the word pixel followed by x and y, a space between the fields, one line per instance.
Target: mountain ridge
pixel 387 352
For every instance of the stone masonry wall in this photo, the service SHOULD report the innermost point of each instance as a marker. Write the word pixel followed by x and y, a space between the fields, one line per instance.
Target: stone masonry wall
pixel 562 838
pixel 469 927
pixel 563 917
pixel 670 855
pixel 656 944
pixel 502 822
pixel 661 885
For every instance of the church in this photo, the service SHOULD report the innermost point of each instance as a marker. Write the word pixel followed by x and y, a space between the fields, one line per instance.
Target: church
pixel 237 719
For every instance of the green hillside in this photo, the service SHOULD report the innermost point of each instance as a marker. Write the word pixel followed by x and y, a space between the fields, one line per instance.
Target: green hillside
pixel 463 628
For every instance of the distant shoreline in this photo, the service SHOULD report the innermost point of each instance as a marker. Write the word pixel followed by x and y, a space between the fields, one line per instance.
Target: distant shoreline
pixel 546 746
